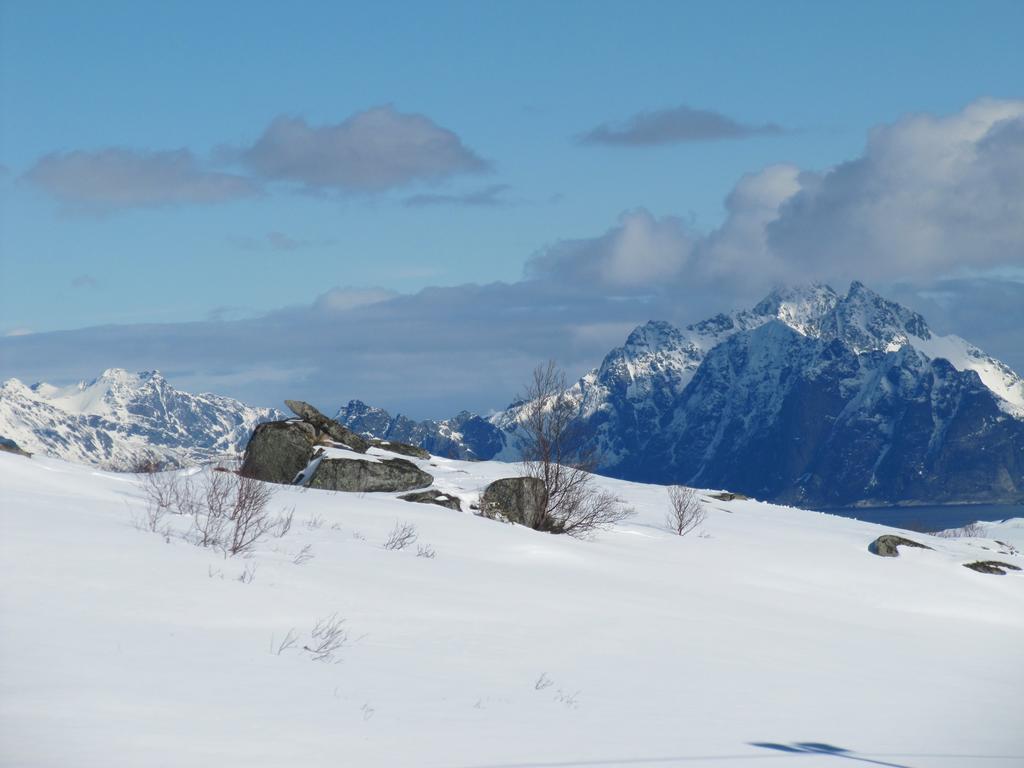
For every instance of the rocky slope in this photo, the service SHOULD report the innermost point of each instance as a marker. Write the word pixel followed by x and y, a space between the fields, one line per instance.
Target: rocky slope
pixel 121 417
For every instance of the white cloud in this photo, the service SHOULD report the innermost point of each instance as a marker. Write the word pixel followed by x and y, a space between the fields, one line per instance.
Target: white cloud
pixel 638 253
pixel 929 196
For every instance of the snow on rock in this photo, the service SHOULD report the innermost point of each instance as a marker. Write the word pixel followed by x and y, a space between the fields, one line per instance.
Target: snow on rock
pixel 769 632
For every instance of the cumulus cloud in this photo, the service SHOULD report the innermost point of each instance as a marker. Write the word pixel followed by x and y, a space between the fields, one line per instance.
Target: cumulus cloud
pixel 929 195
pixel 637 254
pixel 118 178
pixel 371 151
pixel 676 125
pixel 488 197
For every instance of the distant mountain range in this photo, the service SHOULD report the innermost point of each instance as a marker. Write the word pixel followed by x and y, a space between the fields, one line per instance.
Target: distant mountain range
pixel 120 418
pixel 811 397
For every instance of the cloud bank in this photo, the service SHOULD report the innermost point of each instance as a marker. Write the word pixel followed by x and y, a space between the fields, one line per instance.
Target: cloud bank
pixel 930 213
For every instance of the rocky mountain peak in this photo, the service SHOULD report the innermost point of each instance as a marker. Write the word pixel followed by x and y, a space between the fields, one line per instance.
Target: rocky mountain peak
pixel 802 308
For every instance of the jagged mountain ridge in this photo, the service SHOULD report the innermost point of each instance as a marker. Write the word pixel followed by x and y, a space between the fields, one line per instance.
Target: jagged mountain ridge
pixel 811 397
pixel 464 436
pixel 121 417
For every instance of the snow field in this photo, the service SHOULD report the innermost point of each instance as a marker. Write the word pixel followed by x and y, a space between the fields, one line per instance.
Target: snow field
pixel 123 647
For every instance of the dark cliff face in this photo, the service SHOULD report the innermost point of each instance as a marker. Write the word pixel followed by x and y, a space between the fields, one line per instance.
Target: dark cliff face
pixel 781 416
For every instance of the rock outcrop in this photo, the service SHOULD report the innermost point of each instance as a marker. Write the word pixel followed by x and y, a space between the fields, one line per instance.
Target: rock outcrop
pixel 521 500
pixel 361 475
pixel 328 427
pixel 318 452
pixel 279 450
pixel 434 496
pixel 887 546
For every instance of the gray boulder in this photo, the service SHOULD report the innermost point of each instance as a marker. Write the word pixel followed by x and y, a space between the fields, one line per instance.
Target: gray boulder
pixel 991 566
pixel 403 448
pixel 360 475
pixel 521 500
pixel 434 496
pixel 326 426
pixel 279 450
pixel 886 546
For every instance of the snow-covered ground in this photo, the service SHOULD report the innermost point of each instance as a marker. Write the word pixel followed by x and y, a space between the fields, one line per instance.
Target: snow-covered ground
pixel 771 636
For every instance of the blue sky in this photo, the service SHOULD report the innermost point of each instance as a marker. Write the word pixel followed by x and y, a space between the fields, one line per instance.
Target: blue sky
pixel 515 86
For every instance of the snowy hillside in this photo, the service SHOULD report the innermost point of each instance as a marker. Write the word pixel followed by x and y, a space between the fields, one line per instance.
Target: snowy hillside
pixel 772 634
pixel 120 417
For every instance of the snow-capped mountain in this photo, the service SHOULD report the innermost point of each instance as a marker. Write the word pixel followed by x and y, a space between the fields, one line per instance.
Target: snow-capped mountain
pixel 121 417
pixel 464 436
pixel 810 396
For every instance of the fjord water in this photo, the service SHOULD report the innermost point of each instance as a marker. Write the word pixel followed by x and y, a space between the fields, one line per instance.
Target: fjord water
pixel 932 518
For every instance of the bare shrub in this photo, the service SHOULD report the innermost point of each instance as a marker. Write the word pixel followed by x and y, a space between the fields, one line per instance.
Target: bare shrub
pixel 250 520
pixel 248 574
pixel 211 520
pixel 401 536
pixel 425 550
pixel 315 523
pixel 686 512
pixel 283 524
pixel 228 510
pixel 304 555
pixel 161 490
pixel 328 636
pixel 555 451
